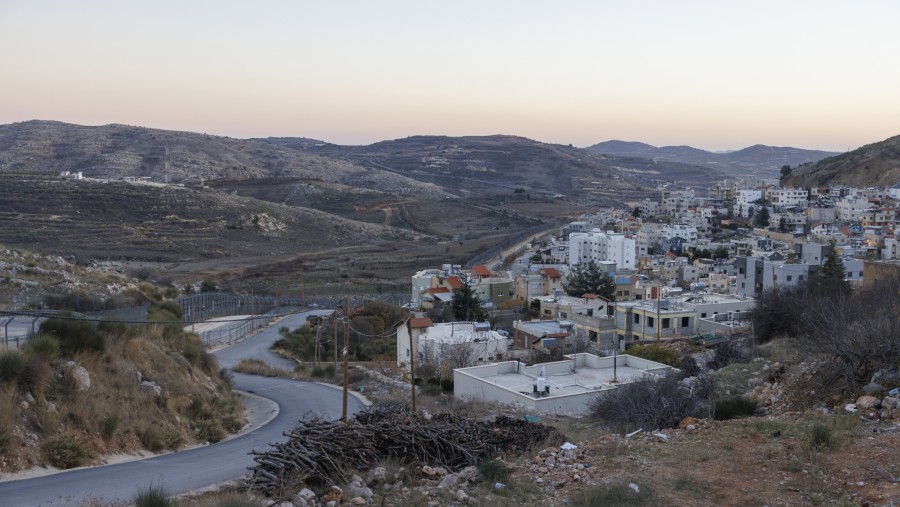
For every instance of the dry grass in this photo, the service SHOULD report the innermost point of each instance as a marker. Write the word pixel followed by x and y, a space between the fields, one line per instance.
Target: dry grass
pixel 258 367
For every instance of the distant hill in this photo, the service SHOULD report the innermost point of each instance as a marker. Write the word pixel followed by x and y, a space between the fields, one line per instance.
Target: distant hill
pixel 759 159
pixel 480 165
pixel 115 151
pixel 876 164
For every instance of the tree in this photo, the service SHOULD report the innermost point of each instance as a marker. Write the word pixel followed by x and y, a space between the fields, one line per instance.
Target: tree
pixel 761 217
pixel 782 224
pixel 590 279
pixel 831 277
pixel 721 253
pixel 466 304
pixel 785 171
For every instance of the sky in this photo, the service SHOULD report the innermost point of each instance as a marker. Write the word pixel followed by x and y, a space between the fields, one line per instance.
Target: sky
pixel 711 74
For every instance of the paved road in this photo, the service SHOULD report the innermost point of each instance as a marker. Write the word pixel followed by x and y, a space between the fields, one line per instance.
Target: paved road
pixel 200 467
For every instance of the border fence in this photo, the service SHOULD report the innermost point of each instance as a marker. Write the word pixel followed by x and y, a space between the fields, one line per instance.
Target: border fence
pixel 257 311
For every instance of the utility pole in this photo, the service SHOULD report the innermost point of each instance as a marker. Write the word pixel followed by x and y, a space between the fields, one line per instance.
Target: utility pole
pixel 412 367
pixel 346 353
pixel 335 342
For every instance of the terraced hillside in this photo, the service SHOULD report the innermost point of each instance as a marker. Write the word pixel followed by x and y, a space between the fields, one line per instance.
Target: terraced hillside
pixel 166 223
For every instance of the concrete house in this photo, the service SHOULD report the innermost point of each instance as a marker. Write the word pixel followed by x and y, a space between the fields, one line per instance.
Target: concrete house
pixel 471 342
pixel 561 387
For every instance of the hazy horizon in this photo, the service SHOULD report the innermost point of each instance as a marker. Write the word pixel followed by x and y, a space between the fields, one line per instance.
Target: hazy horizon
pixel 711 75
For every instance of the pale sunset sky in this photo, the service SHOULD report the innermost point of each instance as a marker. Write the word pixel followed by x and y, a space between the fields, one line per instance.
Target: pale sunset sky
pixel 711 74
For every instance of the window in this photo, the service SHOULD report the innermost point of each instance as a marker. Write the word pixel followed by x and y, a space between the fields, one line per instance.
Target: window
pixel 860 274
pixel 650 321
pixel 800 278
pixel 564 315
pixel 702 315
pixel 685 321
pixel 547 312
pixel 790 278
pixel 667 323
pixel 637 319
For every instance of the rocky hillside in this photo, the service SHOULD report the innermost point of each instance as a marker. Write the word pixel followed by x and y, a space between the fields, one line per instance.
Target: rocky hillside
pixel 876 164
pixel 757 159
pixel 116 151
pixel 166 223
pixel 480 165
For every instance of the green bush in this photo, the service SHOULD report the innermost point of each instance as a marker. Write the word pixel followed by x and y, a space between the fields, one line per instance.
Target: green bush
pixel 75 336
pixel 493 471
pixel 209 430
pixel 65 452
pixel 109 425
pixel 156 439
pixel 12 366
pixel 153 496
pixel 821 435
pixel 44 345
pixel 37 376
pixel 734 407
pixel 658 353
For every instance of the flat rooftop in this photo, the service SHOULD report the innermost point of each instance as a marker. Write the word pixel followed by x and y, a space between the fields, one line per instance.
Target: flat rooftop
pixel 584 380
pixel 578 374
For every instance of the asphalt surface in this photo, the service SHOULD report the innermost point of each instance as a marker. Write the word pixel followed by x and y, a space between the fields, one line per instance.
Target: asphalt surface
pixel 199 467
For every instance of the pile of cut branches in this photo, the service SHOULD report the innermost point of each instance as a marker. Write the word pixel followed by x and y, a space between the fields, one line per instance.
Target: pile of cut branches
pixel 321 451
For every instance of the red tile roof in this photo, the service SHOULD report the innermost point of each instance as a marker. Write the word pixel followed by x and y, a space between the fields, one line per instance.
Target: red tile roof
pixel 589 296
pixel 551 272
pixel 481 271
pixel 420 322
pixel 454 282
pixel 438 290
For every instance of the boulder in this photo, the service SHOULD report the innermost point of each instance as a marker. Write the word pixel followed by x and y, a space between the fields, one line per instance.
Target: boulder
pixel 873 389
pixel 358 500
pixel 450 481
pixel 150 388
pixel 79 375
pixel 335 494
pixel 357 489
pixel 304 497
pixel 866 402
pixel 376 475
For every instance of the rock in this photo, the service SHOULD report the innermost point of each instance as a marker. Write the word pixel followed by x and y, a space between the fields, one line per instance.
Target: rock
pixel 267 503
pixel 358 500
pixel 304 497
pixel 688 421
pixel 850 407
pixel 539 481
pixel 450 481
pixel 559 483
pixel 23 405
pixel 634 487
pixel 662 437
pixel 890 402
pixel 873 389
pixel 79 375
pixel 29 397
pixel 138 376
pixel 468 474
pixel 335 494
pixel 461 496
pixel 866 402
pixel 376 475
pixel 427 470
pixel 148 387
pixel 51 407
pixel 284 504
pixel 331 503
pixel 356 488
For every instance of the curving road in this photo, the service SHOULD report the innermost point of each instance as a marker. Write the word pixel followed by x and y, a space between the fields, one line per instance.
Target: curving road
pixel 202 466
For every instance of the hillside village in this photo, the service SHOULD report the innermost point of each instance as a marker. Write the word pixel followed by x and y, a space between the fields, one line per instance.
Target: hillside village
pixel 685 267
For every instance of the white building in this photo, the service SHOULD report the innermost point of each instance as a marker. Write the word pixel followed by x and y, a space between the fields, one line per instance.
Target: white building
pixel 745 200
pixel 602 246
pixel 788 196
pixel 458 344
pixel 561 387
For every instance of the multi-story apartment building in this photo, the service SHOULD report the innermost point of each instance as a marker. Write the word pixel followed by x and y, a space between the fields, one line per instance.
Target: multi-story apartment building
pixel 598 245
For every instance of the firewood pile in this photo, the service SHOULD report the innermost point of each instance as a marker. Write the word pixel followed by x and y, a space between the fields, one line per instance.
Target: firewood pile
pixel 321 452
